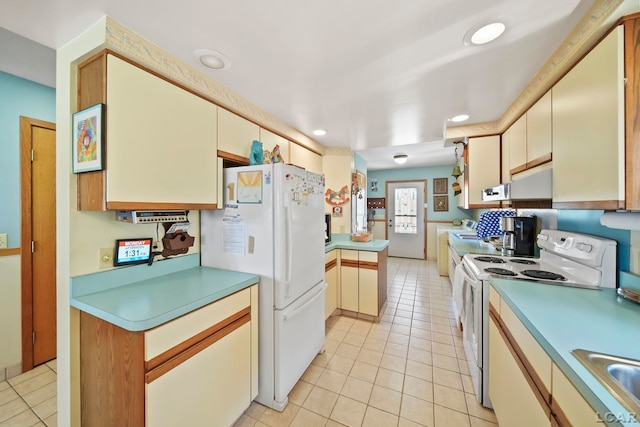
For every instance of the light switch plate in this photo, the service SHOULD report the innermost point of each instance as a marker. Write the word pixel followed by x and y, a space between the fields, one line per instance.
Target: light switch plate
pixel 3 240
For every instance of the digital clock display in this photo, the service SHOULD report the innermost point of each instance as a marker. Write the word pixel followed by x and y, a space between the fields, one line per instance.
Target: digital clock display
pixel 132 251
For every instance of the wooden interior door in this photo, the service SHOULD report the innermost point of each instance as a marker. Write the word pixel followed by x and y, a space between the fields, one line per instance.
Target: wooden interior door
pixel 38 241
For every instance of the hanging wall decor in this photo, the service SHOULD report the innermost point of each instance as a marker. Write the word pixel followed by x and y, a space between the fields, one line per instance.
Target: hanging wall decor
pixel 440 185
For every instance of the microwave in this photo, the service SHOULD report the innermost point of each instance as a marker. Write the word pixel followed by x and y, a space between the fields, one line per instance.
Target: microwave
pixel 327 228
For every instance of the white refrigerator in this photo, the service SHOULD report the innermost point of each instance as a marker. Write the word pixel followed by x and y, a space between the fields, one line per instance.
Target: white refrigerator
pixel 273 226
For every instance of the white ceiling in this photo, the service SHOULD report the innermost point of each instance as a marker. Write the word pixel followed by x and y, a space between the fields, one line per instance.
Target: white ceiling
pixel 381 77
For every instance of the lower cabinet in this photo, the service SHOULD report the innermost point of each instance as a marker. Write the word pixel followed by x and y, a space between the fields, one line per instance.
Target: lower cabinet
pixel 331 278
pixel 363 281
pixel 526 388
pixel 515 401
pixel 199 369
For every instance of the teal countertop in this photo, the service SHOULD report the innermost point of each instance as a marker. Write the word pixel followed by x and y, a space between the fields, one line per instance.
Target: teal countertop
pixel 140 297
pixel 343 241
pixel 470 246
pixel 563 319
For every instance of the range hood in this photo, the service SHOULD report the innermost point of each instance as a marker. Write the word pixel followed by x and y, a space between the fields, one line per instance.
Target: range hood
pixel 537 186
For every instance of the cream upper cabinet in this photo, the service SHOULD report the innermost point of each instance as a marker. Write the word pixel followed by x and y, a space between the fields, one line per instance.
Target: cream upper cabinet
pixel 518 145
pixel 236 134
pixel 483 168
pixel 539 132
pixel 160 144
pixel 305 158
pixel 270 140
pixel 161 139
pixel 588 130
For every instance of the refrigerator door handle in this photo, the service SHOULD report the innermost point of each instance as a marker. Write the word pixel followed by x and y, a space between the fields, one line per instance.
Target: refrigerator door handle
pixel 289 221
pixel 304 306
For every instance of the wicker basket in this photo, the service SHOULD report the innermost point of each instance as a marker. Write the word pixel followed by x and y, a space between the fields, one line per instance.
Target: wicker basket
pixel 364 237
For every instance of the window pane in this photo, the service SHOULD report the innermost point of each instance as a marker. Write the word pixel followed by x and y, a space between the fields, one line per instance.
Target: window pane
pixel 406 208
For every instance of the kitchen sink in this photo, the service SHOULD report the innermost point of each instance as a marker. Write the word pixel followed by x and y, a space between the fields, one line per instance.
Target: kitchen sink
pixel 619 375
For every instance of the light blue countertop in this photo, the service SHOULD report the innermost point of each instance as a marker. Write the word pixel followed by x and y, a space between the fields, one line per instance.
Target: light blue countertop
pixel 343 241
pixel 140 297
pixel 470 246
pixel 563 319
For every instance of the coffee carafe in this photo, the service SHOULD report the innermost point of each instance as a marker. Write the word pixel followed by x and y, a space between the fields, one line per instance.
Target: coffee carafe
pixel 519 235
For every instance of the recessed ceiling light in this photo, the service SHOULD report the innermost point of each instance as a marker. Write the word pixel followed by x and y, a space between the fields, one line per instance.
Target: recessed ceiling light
pixel 212 59
pixel 459 118
pixel 400 158
pixel 484 34
pixel 319 132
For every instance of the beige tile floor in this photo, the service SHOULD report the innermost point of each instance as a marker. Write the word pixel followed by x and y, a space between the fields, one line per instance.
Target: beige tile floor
pixel 29 399
pixel 409 369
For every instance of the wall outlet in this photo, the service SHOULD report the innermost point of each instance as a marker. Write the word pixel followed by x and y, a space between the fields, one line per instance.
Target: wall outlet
pixel 4 241
pixel 106 257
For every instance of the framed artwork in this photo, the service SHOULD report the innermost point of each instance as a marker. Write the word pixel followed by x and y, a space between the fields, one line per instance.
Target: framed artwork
pixel 440 203
pixel 440 185
pixel 88 150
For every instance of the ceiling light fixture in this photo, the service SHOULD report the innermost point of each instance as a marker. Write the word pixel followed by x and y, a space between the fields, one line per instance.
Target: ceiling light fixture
pixel 319 132
pixel 459 118
pixel 400 158
pixel 483 34
pixel 212 59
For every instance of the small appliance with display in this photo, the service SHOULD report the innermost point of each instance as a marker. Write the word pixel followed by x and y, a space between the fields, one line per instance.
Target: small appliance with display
pixel 133 251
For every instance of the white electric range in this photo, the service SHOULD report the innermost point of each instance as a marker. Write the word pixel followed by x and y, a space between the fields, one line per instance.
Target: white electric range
pixel 566 259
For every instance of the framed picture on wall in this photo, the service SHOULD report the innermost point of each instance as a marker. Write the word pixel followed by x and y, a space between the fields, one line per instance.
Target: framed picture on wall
pixel 87 139
pixel 440 203
pixel 440 185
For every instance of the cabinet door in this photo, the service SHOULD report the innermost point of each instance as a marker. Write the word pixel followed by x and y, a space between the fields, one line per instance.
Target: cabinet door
pixel 571 403
pixel 160 140
pixel 211 388
pixel 305 158
pixel 270 140
pixel 483 167
pixel 236 134
pixel 518 145
pixel 539 132
pixel 349 280
pixel 513 400
pixel 368 282
pixel 331 278
pixel 588 130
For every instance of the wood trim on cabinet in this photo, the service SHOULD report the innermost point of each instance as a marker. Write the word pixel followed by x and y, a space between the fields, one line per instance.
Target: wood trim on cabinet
pixel 233 157
pixel 632 111
pixel 197 348
pixel 368 265
pixel 557 416
pixel 537 387
pixel 349 263
pixel 599 204
pixel 518 169
pixel 177 349
pixel 92 90
pixel 329 265
pixel 127 206
pixel 540 161
pixel 382 279
pixel 111 374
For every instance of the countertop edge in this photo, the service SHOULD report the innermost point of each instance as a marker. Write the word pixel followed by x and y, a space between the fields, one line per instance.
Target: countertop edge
pixel 166 316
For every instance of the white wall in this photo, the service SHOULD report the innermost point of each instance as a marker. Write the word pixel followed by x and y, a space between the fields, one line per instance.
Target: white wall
pixel 10 316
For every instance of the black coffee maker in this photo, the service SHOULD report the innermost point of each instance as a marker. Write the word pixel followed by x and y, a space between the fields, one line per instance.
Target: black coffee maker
pixel 519 235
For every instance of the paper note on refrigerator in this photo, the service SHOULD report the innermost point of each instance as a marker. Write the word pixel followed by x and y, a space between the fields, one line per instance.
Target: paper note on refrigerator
pixel 233 235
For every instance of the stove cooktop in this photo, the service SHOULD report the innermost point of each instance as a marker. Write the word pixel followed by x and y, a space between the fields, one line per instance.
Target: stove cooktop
pixel 533 270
